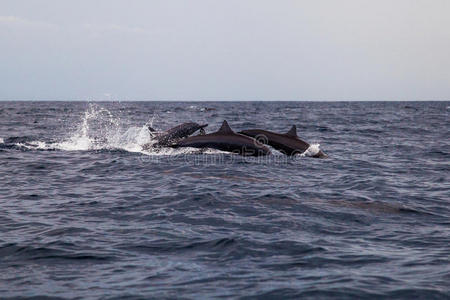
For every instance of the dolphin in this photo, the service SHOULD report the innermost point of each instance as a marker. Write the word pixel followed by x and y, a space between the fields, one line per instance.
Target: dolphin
pixel 288 143
pixel 166 138
pixel 225 139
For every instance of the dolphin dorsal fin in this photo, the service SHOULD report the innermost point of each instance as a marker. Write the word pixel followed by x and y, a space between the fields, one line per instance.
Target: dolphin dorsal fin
pixel 225 128
pixel 292 131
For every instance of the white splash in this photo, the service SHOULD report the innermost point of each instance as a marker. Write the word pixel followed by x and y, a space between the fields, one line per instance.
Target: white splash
pixel 37 145
pixel 97 123
pixel 99 129
pixel 312 150
pixel 2 140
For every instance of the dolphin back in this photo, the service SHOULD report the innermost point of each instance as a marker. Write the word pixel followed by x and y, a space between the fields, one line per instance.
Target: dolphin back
pixel 225 139
pixel 288 143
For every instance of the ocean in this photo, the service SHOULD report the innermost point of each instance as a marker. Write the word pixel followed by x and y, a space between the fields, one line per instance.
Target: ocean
pixel 87 214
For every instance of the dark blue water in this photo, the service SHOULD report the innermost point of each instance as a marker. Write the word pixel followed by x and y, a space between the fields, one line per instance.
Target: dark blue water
pixel 85 214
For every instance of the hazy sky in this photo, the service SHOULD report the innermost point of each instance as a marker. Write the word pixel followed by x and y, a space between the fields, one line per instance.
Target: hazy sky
pixel 225 50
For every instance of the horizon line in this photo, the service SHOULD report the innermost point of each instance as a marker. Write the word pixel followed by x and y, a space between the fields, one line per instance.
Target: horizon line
pixel 191 100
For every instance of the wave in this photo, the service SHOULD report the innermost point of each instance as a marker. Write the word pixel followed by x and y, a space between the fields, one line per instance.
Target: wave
pixel 15 252
pixel 164 246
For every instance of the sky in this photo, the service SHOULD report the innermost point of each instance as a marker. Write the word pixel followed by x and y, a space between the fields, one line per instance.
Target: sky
pixel 225 50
